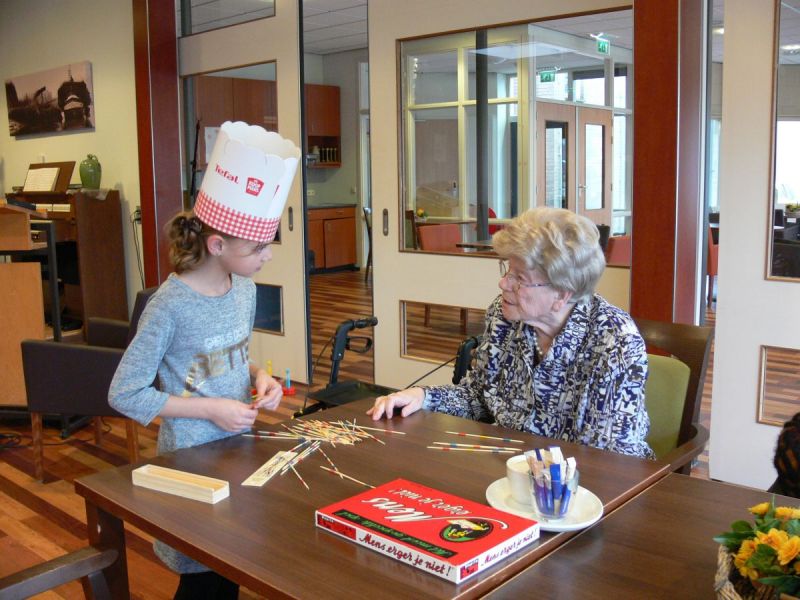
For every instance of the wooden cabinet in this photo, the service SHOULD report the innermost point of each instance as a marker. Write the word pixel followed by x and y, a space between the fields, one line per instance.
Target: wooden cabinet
pixel 323 128
pixel 90 245
pixel 220 99
pixel 332 236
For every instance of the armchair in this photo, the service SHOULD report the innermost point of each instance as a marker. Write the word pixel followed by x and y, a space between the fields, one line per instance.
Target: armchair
pixel 618 251
pixel 87 564
pixel 65 378
pixel 678 356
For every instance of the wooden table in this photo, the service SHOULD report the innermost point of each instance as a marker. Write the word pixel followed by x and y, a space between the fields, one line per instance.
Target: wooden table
pixel 659 545
pixel 265 538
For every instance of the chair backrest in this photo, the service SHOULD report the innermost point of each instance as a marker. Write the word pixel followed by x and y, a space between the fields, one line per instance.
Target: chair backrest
pixel 691 345
pixel 605 232
pixel 87 562
pixel 142 298
pixel 368 221
pixel 618 251
pixel 464 357
pixel 440 237
pixel 411 232
pixel 493 228
pixel 665 395
pixel 58 380
pixel 713 254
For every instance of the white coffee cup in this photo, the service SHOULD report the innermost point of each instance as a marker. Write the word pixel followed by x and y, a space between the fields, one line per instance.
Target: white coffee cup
pixel 519 480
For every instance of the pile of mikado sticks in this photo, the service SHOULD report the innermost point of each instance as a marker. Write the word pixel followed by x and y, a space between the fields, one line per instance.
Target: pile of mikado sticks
pixel 311 435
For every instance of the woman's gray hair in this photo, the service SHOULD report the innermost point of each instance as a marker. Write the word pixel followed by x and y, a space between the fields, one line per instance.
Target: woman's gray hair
pixel 561 244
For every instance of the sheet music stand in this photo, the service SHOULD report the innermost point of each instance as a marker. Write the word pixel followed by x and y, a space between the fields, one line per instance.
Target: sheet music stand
pixel 59 190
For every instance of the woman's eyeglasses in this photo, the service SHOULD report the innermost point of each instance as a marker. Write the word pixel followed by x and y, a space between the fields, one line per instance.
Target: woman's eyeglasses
pixel 514 279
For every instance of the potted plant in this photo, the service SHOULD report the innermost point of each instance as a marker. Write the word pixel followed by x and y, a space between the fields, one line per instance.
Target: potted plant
pixel 760 560
pixel 792 210
pixel 421 214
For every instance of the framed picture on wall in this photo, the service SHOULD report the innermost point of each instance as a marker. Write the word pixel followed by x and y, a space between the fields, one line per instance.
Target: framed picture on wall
pixel 59 99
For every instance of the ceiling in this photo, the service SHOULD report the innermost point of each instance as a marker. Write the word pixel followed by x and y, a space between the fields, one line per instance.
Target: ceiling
pixel 331 26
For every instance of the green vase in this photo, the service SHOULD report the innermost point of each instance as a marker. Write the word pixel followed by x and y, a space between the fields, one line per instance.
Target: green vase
pixel 90 172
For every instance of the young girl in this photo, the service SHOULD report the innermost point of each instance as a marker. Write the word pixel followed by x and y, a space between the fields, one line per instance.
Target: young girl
pixel 193 335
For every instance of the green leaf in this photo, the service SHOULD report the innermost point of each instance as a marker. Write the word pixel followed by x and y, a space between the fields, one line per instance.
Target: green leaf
pixel 763 559
pixel 786 584
pixel 732 540
pixel 793 527
pixel 741 526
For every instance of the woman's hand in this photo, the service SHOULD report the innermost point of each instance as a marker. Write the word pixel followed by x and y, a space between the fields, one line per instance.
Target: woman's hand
pixel 410 400
pixel 268 391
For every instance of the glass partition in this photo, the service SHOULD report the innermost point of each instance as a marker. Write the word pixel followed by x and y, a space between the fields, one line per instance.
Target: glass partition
pixel 595 165
pixel 785 203
pixel 246 94
pixel 522 67
pixel 555 163
pixel 196 16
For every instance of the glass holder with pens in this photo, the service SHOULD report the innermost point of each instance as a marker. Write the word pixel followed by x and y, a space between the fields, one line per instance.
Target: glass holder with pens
pixel 554 482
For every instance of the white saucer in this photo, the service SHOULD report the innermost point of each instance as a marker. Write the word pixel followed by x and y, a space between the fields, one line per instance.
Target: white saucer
pixel 587 508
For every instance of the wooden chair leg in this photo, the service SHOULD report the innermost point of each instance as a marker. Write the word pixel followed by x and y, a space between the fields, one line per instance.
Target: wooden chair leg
pixel 427 315
pixel 132 436
pixel 464 320
pixel 38 448
pixel 98 430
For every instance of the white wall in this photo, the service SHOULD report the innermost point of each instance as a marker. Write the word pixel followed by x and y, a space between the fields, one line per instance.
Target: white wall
pixel 747 314
pixel 39 34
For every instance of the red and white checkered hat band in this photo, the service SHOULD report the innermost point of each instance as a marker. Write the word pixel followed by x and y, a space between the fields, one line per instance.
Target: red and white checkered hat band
pixel 235 223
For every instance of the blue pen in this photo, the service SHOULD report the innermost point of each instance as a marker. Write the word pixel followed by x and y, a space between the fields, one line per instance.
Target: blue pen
pixel 569 490
pixel 548 493
pixel 555 478
pixel 570 486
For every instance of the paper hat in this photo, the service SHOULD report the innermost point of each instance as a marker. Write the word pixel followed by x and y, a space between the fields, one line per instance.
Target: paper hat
pixel 247 181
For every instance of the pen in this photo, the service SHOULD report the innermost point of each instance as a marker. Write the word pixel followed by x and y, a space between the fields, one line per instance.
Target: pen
pixel 555 478
pixel 569 490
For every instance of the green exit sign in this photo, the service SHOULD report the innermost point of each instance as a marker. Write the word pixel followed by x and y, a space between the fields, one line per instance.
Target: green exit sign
pixel 547 76
pixel 603 46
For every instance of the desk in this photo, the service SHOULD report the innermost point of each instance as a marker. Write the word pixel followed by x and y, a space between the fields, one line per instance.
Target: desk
pixel 265 538
pixel 659 545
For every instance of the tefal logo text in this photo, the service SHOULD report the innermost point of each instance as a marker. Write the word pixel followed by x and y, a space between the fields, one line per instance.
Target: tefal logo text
pixel 226 174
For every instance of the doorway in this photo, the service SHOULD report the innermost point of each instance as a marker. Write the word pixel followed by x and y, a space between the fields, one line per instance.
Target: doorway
pixel 336 138
pixel 574 159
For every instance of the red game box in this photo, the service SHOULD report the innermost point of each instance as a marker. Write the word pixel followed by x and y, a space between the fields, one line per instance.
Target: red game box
pixel 439 533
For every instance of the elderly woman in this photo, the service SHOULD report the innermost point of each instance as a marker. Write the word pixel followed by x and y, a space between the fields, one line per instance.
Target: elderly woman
pixel 556 359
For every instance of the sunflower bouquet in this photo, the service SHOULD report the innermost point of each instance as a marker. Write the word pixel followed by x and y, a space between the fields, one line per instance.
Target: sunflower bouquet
pixel 765 555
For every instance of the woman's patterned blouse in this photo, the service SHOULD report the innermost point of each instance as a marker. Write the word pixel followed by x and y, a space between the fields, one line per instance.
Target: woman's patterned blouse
pixel 589 389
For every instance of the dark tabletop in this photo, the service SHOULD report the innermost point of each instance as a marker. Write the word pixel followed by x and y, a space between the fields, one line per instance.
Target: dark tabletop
pixel 265 538
pixel 659 545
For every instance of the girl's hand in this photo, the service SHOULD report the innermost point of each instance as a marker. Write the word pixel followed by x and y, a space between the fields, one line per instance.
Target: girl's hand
pixel 411 400
pixel 231 415
pixel 268 391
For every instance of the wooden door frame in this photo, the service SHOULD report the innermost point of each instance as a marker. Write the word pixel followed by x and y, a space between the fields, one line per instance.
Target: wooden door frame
pixel 155 52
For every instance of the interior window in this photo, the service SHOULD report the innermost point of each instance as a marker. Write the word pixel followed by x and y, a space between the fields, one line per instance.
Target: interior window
pixel 447 120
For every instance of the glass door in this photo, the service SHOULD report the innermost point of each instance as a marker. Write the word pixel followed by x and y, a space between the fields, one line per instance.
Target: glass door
pixel 594 160
pixel 555 182
pixel 259 83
